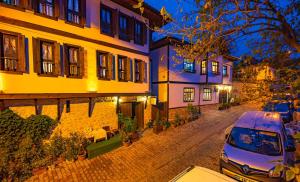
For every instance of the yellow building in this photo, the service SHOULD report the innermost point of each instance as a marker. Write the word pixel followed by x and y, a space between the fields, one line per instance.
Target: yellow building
pixel 80 61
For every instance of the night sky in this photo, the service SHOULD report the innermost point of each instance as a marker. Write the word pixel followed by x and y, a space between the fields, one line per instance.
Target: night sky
pixel 172 8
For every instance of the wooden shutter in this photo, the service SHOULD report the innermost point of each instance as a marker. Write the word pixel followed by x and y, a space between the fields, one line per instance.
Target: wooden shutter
pixel 57 58
pixel 131 70
pixel 21 54
pixel 83 12
pixel 145 34
pixel 36 47
pixel 130 28
pixel 66 61
pixel 63 7
pixel 109 66
pixel 34 4
pixel 98 63
pixel 127 69
pixel 56 8
pixel 115 22
pixel 142 70
pixel 145 72
pixel 114 68
pixel 81 61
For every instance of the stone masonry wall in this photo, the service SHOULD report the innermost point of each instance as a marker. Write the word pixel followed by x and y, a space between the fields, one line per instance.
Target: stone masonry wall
pixel 77 120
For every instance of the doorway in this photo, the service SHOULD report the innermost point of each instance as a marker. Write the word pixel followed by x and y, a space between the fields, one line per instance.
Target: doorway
pixel 134 110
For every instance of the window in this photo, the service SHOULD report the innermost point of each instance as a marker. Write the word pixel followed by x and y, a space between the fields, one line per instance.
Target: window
pixel 189 65
pixel 73 11
pixel 215 67
pixel 138 33
pixel 203 67
pixel 47 58
pixel 106 20
pixel 105 66
pixel 188 94
pixel 124 27
pixel 207 94
pixel 11 2
pixel 139 70
pixel 9 57
pixel 122 65
pixel 74 65
pixel 46 7
pixel 225 73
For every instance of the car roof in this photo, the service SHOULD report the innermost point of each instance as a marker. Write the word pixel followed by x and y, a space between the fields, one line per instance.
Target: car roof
pixel 259 120
pixel 196 173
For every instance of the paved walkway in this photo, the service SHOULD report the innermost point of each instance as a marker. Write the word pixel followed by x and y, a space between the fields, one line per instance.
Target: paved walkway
pixel 156 157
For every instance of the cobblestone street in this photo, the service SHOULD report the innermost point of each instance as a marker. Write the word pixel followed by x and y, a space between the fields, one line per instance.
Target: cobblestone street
pixel 156 157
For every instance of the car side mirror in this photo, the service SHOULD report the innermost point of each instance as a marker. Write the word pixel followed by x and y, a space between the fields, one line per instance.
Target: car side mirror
pixel 226 136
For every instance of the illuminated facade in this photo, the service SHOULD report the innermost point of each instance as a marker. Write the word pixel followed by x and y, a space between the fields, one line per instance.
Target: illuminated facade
pixel 183 82
pixel 82 56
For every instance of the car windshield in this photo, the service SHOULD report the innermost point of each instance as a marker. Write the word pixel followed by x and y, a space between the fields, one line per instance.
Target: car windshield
pixel 262 142
pixel 281 108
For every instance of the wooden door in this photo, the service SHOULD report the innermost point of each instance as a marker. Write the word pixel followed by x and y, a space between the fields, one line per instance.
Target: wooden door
pixel 126 109
pixel 139 114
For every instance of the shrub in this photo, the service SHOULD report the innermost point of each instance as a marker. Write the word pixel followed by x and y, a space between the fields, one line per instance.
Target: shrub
pixel 39 127
pixel 21 144
pixel 167 124
pixel 150 124
pixel 57 146
pixel 177 120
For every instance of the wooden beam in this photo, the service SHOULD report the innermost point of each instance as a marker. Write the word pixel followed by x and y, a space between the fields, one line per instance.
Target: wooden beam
pixel 60 108
pixel 38 108
pixel 66 95
pixel 92 103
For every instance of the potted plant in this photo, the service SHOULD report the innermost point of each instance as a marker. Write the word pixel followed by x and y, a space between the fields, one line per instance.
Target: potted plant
pixel 166 125
pixel 157 127
pixel 84 142
pixel 177 120
pixel 57 148
pixel 125 139
pixel 150 124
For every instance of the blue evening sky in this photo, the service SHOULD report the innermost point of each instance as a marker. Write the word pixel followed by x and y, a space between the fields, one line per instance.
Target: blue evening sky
pixel 173 9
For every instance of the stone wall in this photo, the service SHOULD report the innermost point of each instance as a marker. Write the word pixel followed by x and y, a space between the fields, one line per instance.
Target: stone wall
pixel 77 120
pixel 182 111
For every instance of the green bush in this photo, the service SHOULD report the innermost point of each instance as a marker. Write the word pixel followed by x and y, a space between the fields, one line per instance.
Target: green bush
pixel 177 120
pixel 21 144
pixel 39 127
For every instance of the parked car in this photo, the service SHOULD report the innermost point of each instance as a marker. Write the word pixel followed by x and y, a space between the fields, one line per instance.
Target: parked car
pixel 296 114
pixel 197 174
pixel 285 109
pixel 256 144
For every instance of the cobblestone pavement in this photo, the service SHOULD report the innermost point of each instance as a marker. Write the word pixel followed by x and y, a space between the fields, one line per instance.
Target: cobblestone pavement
pixel 156 157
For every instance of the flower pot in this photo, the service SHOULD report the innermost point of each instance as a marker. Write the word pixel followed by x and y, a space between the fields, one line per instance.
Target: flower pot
pixel 60 160
pixel 91 139
pixel 38 171
pixel 126 143
pixel 134 136
pixel 157 129
pixel 81 157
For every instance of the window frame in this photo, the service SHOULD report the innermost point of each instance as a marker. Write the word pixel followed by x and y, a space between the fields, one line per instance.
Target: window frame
pixel 2 53
pixel 69 46
pixel 192 63
pixel 209 94
pixel 19 6
pixel 225 66
pixel 141 42
pixel 189 94
pixel 37 9
pixel 127 38
pixel 79 13
pixel 138 62
pixel 49 43
pixel 202 72
pixel 110 10
pixel 123 69
pixel 106 54
pixel 217 66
